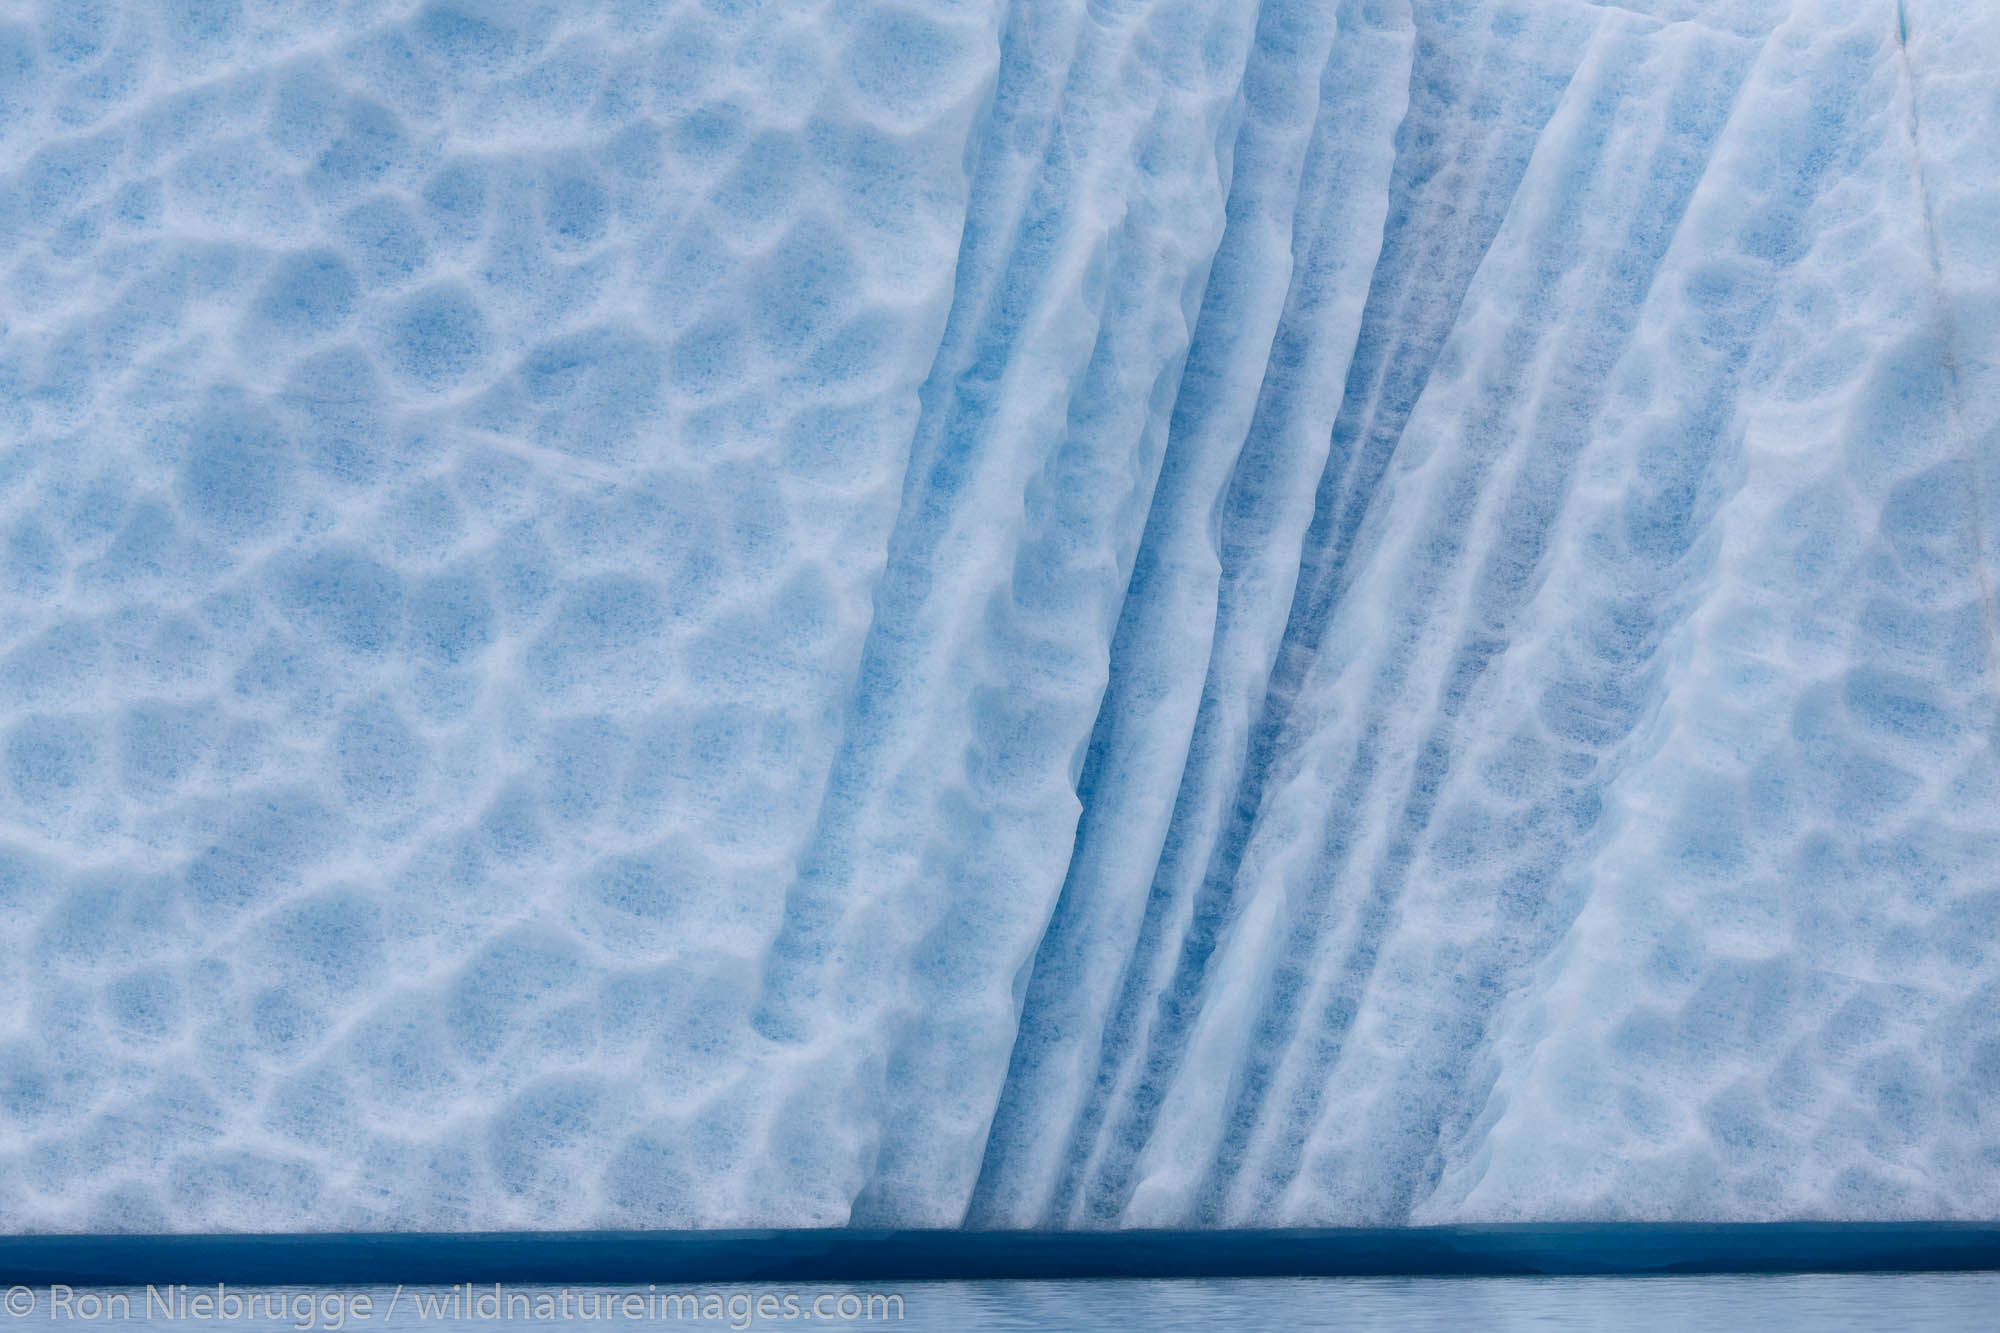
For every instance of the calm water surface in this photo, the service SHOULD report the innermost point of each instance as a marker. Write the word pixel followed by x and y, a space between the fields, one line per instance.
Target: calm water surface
pixel 1760 1304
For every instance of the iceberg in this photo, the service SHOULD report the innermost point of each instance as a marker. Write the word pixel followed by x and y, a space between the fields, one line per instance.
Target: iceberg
pixel 1060 614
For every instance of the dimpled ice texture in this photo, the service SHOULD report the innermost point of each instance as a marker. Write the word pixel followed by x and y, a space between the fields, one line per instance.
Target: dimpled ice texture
pixel 1024 613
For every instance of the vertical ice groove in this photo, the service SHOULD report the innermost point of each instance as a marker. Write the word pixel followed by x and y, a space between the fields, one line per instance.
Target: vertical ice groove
pixel 1036 696
pixel 1042 430
pixel 1959 365
pixel 1446 156
pixel 1630 144
pixel 1735 1038
pixel 1529 422
pixel 1010 243
pixel 1261 321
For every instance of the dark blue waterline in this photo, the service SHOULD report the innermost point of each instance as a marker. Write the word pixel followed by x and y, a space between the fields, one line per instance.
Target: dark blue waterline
pixel 829 1255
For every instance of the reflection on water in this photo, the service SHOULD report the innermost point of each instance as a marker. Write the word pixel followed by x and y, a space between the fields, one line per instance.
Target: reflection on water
pixel 1908 1301
pixel 1752 1304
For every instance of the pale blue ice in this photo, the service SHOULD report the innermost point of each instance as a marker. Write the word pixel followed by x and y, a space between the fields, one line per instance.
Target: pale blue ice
pixel 1062 613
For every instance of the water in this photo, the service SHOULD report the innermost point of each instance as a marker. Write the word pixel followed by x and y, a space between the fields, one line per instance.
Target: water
pixel 1908 1301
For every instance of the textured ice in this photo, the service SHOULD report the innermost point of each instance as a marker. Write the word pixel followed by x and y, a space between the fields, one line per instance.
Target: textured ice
pixel 1144 612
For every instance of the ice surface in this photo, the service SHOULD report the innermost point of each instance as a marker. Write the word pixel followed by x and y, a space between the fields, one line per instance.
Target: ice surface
pixel 1147 612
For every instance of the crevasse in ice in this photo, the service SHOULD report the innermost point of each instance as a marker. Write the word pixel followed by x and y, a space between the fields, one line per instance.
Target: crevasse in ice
pixel 1029 613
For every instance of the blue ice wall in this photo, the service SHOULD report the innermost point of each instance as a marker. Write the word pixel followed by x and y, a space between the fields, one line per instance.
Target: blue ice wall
pixel 1035 613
